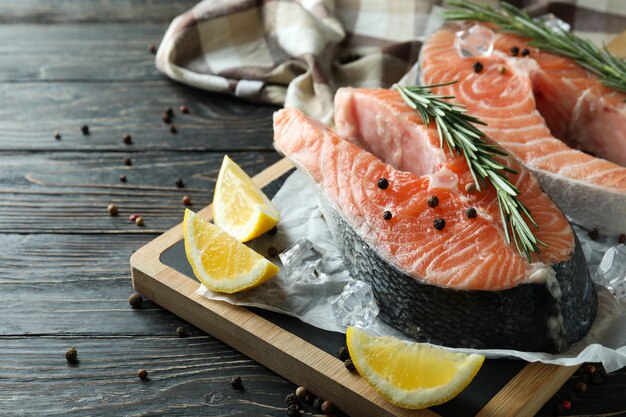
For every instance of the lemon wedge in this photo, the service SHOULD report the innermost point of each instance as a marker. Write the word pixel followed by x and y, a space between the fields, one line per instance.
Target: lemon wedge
pixel 411 375
pixel 220 261
pixel 239 205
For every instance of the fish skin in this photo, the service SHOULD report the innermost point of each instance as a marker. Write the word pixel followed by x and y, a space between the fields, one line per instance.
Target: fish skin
pixel 529 316
pixel 590 190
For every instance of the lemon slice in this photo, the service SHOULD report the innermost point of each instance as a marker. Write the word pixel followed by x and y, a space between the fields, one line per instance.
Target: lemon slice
pixel 239 205
pixel 411 375
pixel 220 261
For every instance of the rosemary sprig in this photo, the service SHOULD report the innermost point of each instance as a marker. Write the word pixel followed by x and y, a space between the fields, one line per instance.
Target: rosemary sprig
pixel 456 129
pixel 610 69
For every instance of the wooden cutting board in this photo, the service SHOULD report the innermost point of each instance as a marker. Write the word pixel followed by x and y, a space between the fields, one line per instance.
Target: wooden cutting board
pixel 304 355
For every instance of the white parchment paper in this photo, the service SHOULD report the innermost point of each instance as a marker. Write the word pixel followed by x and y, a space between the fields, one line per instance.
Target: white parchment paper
pixel 301 217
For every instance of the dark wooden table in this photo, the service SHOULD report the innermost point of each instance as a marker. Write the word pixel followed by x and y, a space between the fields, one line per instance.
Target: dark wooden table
pixel 64 271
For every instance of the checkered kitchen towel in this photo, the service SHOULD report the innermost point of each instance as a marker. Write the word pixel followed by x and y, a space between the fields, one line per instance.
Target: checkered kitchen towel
pixel 296 53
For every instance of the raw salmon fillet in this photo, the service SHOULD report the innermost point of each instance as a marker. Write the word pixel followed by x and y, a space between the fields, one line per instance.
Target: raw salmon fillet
pixel 528 102
pixel 434 284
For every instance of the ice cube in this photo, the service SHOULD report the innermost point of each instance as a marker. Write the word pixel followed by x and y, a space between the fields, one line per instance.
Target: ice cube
pixel 356 305
pixel 612 270
pixel 303 262
pixel 476 40
pixel 553 23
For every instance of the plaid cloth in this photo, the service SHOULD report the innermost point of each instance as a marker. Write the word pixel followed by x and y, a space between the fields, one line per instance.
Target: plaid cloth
pixel 296 53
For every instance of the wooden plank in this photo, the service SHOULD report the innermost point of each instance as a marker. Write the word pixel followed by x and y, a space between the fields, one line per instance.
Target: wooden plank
pixel 33 111
pixel 290 356
pixel 187 376
pixel 99 52
pixel 68 192
pixel 91 11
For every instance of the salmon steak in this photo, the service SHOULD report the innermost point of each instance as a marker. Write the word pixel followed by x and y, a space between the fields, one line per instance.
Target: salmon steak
pixel 456 283
pixel 556 117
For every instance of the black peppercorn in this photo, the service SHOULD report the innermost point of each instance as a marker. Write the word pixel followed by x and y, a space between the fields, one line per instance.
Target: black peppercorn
pixel 439 223
pixel 135 300
pixel 589 369
pixel 383 183
pixel 571 396
pixel 502 70
pixel 301 392
pixel 292 399
pixel 173 129
pixel 596 378
pixel 152 48
pixel 622 238
pixel 349 365
pixel 580 387
pixel 293 410
pixel 123 178
pixel 558 409
pixel 317 404
pixel 478 67
pixel 127 139
pixel 142 374
pixel 71 355
pixel 433 201
pixel 128 162
pixel 181 332
pixel 166 118
pixel 236 383
pixel 525 52
pixel 57 135
pixel 309 399
pixel 471 213
pixel 584 377
pixel 84 129
pixel 273 231
pixel 328 407
pixel 272 251
pixel 387 215
pixel 343 353
pixel 112 209
pixel 470 187
pixel 170 112
pixel 180 183
pixel 514 51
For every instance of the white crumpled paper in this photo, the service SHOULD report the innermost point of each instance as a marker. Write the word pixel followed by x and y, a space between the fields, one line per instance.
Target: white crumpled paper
pixel 300 217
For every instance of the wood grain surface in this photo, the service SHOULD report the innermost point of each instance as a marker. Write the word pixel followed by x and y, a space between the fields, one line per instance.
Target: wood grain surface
pixel 64 262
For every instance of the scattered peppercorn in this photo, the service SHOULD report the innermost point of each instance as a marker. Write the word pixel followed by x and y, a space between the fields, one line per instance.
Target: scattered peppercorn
pixel 180 183
pixel 132 217
pixel 135 300
pixel 502 70
pixel 328 407
pixel 273 231
pixel 514 51
pixel 127 139
pixel 173 130
pixel 343 353
pixel 317 404
pixel 571 396
pixel 57 135
pixel 470 212
pixel 139 221
pixel 594 234
pixel 622 238
pixel 589 369
pixel 349 365
pixel 309 399
pixel 387 215
pixel 580 387
pixel 292 399
pixel 152 48
pixel 84 129
pixel 71 355
pixel 439 223
pixel 123 178
pixel 383 183
pixel 181 332
pixel 272 251
pixel 112 209
pixel 184 109
pixel 142 374
pixel 301 392
pixel 596 378
pixel 567 405
pixel 478 67
pixel 293 410
pixel 128 162
pixel 584 377
pixel 470 187
pixel 433 201
pixel 186 200
pixel 166 118
pixel 558 409
pixel 236 383
pixel 170 112
pixel 525 52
